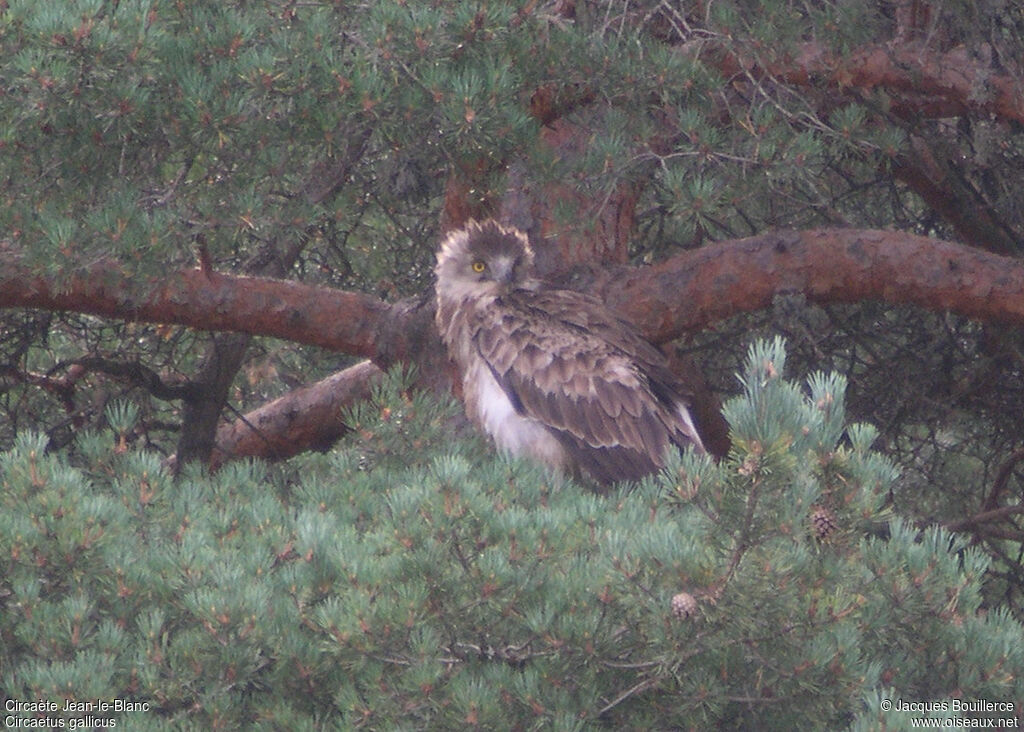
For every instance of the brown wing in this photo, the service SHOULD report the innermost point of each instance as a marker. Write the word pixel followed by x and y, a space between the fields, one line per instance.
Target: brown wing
pixel 606 394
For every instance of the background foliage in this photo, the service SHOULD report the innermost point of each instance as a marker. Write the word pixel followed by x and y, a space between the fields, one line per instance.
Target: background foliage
pixel 455 590
pixel 315 141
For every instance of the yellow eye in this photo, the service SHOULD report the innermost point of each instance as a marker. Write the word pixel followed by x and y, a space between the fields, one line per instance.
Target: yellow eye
pixel 479 266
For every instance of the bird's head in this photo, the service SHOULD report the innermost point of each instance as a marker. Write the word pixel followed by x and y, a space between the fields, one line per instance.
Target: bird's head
pixel 484 258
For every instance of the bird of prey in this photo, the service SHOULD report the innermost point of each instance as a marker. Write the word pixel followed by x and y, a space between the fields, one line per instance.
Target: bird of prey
pixel 552 374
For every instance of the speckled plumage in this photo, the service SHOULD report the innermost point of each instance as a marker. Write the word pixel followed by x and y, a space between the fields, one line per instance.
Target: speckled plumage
pixel 553 374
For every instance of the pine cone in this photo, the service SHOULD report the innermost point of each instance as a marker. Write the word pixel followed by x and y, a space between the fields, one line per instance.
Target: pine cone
pixel 684 605
pixel 823 522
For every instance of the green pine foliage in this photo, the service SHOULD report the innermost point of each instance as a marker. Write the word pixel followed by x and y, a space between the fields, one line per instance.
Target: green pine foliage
pixel 141 125
pixel 411 579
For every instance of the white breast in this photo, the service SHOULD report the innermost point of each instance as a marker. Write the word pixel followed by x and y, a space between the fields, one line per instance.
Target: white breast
pixel 490 407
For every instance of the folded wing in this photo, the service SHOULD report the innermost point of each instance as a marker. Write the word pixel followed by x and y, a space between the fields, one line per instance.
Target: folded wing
pixel 605 393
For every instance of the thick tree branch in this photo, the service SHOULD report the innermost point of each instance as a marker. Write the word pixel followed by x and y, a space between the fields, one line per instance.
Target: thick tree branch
pixel 919 80
pixel 682 294
pixel 953 198
pixel 343 321
pixel 695 288
pixel 62 387
pixel 996 514
pixel 1002 480
pixel 306 418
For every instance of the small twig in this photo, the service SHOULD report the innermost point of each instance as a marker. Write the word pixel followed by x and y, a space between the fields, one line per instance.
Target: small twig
pixel 632 691
pixel 984 517
pixel 744 539
pixel 457 549
pixel 63 387
pixel 138 374
pixel 1002 478
pixel 634 665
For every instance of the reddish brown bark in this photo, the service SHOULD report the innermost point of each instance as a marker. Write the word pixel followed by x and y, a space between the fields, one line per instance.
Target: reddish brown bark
pixel 601 226
pixel 696 288
pixel 684 293
pixel 304 419
pixel 938 183
pixel 318 316
pixel 920 80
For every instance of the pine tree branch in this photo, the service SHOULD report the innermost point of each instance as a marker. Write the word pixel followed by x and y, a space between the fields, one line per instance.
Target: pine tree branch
pixel 334 319
pixel 995 514
pixel 137 374
pixel 695 288
pixel 682 294
pixel 62 387
pixel 306 418
pixel 638 688
pixel 949 194
pixel 1002 479
pixel 920 80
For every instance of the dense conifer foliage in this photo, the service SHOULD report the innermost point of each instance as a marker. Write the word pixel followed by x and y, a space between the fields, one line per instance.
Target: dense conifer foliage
pixel 409 580
pixel 210 211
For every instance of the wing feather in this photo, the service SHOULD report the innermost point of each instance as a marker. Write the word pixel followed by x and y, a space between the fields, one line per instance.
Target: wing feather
pixel 605 393
pixel 611 401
